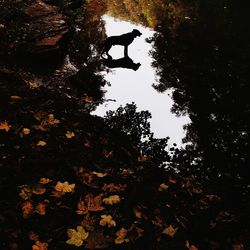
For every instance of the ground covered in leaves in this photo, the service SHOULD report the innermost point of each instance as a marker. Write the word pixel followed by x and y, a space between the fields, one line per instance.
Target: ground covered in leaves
pixel 68 181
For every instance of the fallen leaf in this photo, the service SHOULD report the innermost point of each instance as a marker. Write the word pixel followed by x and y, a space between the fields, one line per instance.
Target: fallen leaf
pixel 139 231
pixel 121 236
pixel 64 187
pixel 88 222
pixel 111 200
pixel 99 175
pixel 88 99
pixel 41 143
pixel 107 220
pixel 33 85
pixel 170 231
pixel 25 195
pixel 235 247
pixel 77 236
pixel 27 208
pixel 163 187
pixel 38 190
pixel 40 246
pixel 40 208
pixel 15 98
pixel 44 180
pixel 70 135
pixel 33 236
pixel 24 132
pixel 192 247
pixel 142 158
pixel 137 213
pixel 51 120
pixel 90 204
pixel 172 180
pixel 97 240
pixel 111 187
pixel 5 126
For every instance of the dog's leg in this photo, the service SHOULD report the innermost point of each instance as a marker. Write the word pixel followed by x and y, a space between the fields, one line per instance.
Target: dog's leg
pixel 108 47
pixel 126 50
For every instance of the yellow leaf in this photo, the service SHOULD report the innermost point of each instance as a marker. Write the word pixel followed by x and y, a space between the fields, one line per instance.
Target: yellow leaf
pixel 33 85
pixel 107 220
pixel 5 126
pixel 25 195
pixel 113 199
pixel 40 246
pixel 121 236
pixel 163 187
pixel 25 131
pixel 64 187
pixel 137 213
pixel 77 236
pixel 41 143
pixel 100 175
pixel 70 135
pixel 170 231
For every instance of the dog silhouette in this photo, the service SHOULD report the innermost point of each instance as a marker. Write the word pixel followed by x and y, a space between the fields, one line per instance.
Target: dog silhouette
pixel 123 40
pixel 124 62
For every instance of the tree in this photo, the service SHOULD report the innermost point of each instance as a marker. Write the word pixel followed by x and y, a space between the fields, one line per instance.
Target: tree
pixel 136 126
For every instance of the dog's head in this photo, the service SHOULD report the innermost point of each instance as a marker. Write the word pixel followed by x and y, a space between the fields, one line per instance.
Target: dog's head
pixel 136 32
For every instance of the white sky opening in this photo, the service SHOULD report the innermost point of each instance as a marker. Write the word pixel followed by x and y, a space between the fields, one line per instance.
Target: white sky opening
pixel 129 86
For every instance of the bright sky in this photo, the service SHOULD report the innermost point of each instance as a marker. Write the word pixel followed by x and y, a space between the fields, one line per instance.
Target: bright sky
pixel 129 86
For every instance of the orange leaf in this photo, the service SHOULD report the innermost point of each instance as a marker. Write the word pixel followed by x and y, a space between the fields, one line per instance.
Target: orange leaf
pixel 27 208
pixel 5 126
pixel 163 187
pixel 33 236
pixel 15 98
pixel 40 246
pixel 170 231
pixel 64 187
pixel 40 208
pixel 44 180
pixel 90 204
pixel 121 236
pixel 111 187
pixel 38 190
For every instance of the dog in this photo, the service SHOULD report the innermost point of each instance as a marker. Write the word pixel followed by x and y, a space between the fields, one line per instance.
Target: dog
pixel 124 62
pixel 123 40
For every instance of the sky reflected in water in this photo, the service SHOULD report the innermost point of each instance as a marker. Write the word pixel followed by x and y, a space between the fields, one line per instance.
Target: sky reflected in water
pixel 129 86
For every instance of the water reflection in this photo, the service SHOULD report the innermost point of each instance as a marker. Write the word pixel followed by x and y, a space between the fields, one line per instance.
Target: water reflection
pixel 124 62
pixel 128 86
